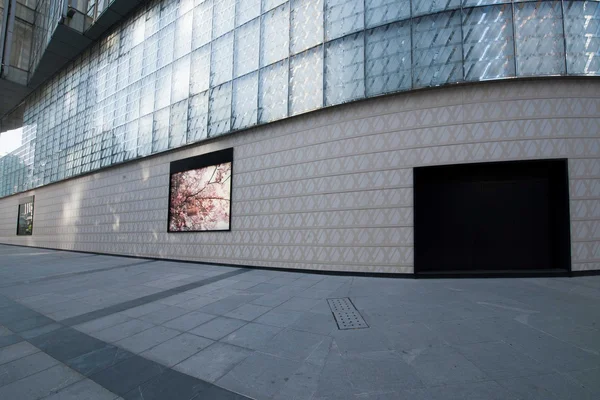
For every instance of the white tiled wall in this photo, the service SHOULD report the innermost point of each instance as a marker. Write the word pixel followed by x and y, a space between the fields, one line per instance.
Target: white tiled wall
pixel 333 189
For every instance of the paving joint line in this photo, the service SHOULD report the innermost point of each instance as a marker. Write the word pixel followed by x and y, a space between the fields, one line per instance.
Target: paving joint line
pixel 103 312
pixel 70 274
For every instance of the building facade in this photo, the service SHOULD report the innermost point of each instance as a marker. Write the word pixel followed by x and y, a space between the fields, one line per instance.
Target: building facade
pixel 332 107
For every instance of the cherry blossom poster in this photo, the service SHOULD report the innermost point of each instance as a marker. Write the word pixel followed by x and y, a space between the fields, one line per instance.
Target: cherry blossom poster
pixel 200 198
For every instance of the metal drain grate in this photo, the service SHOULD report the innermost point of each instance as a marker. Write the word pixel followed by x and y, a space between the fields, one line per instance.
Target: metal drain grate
pixel 346 315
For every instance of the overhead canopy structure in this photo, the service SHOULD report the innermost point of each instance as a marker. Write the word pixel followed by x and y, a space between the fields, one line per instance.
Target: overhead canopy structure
pixel 58 31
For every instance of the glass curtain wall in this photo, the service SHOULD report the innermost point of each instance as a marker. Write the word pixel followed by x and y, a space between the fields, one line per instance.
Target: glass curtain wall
pixel 180 71
pixel 48 14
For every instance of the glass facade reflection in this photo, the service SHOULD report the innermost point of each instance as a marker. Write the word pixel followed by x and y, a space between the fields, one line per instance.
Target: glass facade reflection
pixel 180 71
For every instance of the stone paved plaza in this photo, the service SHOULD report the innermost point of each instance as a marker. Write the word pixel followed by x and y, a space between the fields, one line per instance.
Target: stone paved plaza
pixel 85 327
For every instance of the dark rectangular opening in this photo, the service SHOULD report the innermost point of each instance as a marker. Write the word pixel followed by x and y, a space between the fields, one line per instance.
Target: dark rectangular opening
pixel 502 216
pixel 25 216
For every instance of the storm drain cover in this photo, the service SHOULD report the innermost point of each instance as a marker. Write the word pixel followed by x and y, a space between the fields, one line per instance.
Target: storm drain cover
pixel 346 315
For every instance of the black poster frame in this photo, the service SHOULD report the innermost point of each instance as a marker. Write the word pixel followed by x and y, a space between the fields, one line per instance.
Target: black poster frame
pixel 198 162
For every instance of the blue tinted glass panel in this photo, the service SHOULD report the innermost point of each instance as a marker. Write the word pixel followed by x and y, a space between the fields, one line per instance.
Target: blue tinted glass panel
pixel 183 35
pixel 539 38
pixel 200 70
pixel 270 4
pixel 145 135
pixel 160 132
pixel 488 43
pixel 178 124
pixel 223 17
pixel 379 12
pixel 471 3
pixel 245 101
pixel 275 35
pixel 202 26
pixel 345 69
pixel 388 53
pixel 343 17
pixel 306 24
pixel 306 81
pixel 582 21
pixel 421 7
pixel 222 60
pixel 437 49
pixel 198 117
pixel 219 110
pixel 180 85
pixel 273 92
pixel 246 10
pixel 246 48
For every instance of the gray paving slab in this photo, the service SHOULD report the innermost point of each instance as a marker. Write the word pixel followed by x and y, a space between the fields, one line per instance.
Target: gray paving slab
pixel 123 330
pixel 460 332
pixel 293 345
pixel 272 300
pixel 26 366
pixel 259 376
pixel 189 321
pixel 412 335
pixel 280 317
pixel 41 384
pixel 362 340
pixel 164 315
pixel 178 298
pixel 16 351
pixel 196 303
pixel 316 294
pixel 333 381
pixel 323 324
pixel 149 338
pixel 263 288
pixel 546 386
pixel 299 304
pixel 252 336
pixel 103 323
pixel 248 312
pixel 488 390
pixel 213 362
pixel 230 303
pixel 138 311
pixel 66 343
pixel 499 360
pixel 127 375
pixel 168 385
pixel 217 393
pixel 4 331
pixel 242 285
pixel 587 378
pixel 302 384
pixel 556 353
pixel 98 360
pixel 9 340
pixel 14 314
pixel 35 332
pixel 380 371
pixel 442 365
pixel 282 280
pixel 85 389
pixel 29 323
pixel 218 328
pixel 177 349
